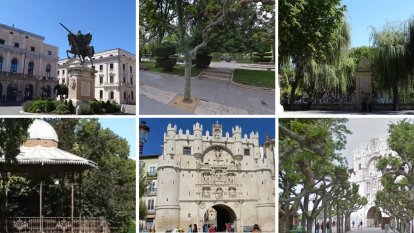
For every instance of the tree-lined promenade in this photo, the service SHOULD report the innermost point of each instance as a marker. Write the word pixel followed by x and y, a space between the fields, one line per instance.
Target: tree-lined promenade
pixel 317 64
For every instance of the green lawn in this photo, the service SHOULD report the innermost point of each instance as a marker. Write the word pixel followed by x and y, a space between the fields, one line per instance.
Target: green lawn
pixel 259 78
pixel 177 70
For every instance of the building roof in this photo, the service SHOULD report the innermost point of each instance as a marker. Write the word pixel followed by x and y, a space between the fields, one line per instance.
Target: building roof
pixel 42 130
pixel 21 31
pixel 39 159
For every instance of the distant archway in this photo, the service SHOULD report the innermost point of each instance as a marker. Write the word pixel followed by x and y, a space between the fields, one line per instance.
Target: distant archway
pixel 219 215
pixel 374 217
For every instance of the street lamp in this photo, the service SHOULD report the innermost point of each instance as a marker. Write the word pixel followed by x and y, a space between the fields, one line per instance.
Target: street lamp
pixel 143 135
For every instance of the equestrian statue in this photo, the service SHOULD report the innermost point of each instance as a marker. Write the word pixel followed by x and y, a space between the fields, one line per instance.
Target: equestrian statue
pixel 80 45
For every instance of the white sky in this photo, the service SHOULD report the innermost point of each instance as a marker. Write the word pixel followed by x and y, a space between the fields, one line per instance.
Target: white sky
pixel 364 129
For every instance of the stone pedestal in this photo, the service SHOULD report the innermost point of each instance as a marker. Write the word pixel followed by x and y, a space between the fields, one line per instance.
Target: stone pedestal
pixel 81 84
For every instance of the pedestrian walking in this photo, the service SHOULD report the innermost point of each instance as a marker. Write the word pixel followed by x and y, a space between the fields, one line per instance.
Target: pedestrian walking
pixel 190 229
pixel 353 224
pixel 360 223
pixel 195 228
pixel 317 226
pixel 328 227
pixel 205 228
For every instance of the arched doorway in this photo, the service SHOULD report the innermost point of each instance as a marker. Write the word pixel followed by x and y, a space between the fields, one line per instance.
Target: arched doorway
pixel 1 92
pixel 11 92
pixel 374 217
pixel 28 92
pixel 219 215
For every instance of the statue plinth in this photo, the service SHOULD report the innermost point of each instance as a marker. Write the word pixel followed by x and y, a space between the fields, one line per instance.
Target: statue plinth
pixel 81 84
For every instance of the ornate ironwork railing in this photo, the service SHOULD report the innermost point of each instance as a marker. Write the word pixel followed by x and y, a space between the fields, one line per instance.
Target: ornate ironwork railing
pixel 59 224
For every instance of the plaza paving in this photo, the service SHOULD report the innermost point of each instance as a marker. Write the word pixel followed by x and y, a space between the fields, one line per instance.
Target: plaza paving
pixel 215 97
pixel 367 230
pixel 320 112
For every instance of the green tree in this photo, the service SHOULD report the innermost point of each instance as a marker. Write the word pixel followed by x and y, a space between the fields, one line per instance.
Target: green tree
pixel 13 132
pixel 308 31
pixel 61 89
pixel 308 159
pixel 396 197
pixel 389 60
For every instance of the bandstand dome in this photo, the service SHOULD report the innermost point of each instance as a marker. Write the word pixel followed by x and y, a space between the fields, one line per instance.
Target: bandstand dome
pixel 42 130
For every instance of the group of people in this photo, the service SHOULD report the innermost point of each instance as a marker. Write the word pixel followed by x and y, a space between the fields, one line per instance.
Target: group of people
pixel 367 102
pixel 320 226
pixel 359 224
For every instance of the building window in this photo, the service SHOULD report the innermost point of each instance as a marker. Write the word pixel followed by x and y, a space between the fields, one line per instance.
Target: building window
pixel 130 69
pixel 48 68
pixel 111 66
pixel 100 94
pixel 33 49
pixel 100 79
pixel 246 151
pixel 186 150
pixel 1 63
pixel 2 41
pixel 13 67
pixel 152 171
pixel 30 69
pixel 132 95
pixel 112 95
pixel 111 79
pixel 17 45
pixel 63 72
pixel 58 72
pixel 359 166
pixel 131 80
pixel 124 79
pixel 100 67
pixel 125 96
pixel 123 67
pixel 150 205
pixel 49 53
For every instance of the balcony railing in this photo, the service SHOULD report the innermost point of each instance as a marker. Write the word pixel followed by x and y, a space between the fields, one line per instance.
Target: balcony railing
pixel 15 75
pixel 53 225
pixel 151 174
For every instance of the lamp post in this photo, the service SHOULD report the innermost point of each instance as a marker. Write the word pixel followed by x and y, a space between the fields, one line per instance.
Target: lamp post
pixel 143 134
pixel 43 88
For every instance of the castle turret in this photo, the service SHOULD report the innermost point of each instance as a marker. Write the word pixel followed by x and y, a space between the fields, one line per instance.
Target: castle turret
pixel 198 140
pixel 265 203
pixel 238 145
pixel 167 209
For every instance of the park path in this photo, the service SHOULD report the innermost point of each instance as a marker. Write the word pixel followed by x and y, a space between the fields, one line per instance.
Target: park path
pixel 367 230
pixel 215 97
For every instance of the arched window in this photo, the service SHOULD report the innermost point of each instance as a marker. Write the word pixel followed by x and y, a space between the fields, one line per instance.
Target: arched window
pixel 100 94
pixel 130 69
pixel 13 67
pixel 1 63
pixel 125 97
pixel 112 95
pixel 48 68
pixel 30 69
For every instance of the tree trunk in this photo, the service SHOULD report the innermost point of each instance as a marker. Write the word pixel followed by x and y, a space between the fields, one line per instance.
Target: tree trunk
pixel 325 214
pixel 396 97
pixel 187 77
pixel 4 204
pixel 298 76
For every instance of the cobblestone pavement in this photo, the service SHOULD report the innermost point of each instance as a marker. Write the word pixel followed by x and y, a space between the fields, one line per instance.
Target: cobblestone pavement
pixel 215 97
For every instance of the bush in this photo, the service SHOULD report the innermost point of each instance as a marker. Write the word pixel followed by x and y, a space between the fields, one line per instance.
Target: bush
pixel 26 105
pixel 165 50
pixel 37 106
pixel 167 63
pixel 62 109
pixel 71 107
pixel 95 106
pixel 262 59
pixel 85 109
pixel 111 107
pixel 203 60
pixel 49 106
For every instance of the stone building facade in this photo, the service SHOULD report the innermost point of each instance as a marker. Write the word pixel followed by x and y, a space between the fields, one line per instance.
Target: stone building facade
pixel 149 165
pixel 215 179
pixel 27 65
pixel 365 174
pixel 115 78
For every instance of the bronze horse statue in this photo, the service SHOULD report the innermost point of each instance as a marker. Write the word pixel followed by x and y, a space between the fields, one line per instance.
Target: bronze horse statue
pixel 80 46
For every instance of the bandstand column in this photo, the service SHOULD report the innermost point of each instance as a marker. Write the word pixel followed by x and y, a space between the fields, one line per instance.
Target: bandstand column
pixel 40 205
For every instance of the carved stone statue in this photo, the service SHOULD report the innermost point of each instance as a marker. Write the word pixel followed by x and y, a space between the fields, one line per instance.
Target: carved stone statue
pixel 80 45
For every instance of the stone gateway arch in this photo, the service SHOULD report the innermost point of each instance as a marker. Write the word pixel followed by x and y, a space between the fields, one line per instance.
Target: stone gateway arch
pixel 215 179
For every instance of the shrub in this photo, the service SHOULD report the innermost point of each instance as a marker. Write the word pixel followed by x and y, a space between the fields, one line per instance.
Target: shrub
pixel 165 50
pixel 262 59
pixel 85 109
pixel 167 63
pixel 95 106
pixel 37 106
pixel 112 106
pixel 62 109
pixel 71 107
pixel 26 105
pixel 48 105
pixel 203 60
